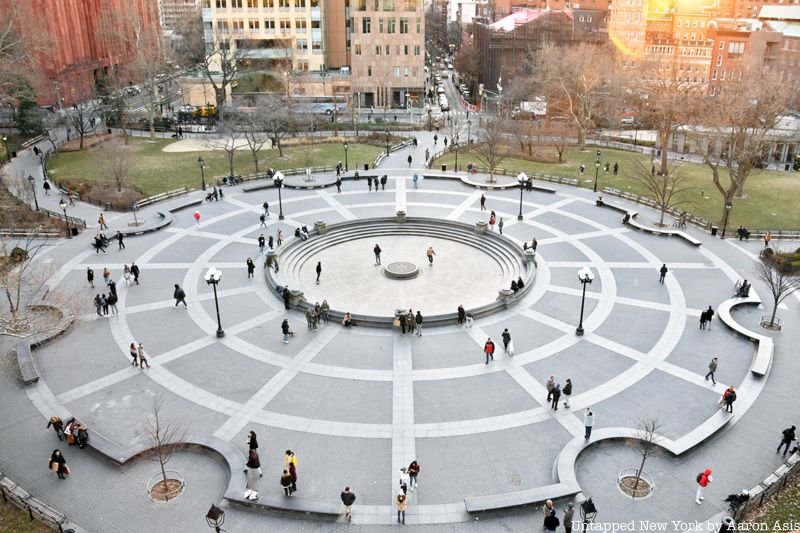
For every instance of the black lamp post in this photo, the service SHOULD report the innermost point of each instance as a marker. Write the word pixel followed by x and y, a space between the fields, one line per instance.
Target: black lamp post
pixel 596 169
pixel 728 207
pixel 586 277
pixel 213 277
pixel 356 125
pixel 278 180
pixel 469 127
pixel 202 164
pixel 455 145
pixel 346 168
pixel 522 178
pixel 63 205
pixel 430 119
pixel 215 518
pixel 588 512
pixel 5 146
pixel 387 143
pixel 33 187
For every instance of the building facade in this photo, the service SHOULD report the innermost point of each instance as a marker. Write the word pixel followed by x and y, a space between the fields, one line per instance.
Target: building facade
pixel 388 52
pixel 173 13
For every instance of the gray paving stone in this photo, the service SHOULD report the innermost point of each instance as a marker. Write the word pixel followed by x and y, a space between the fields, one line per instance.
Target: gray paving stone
pixel 635 327
pixel 483 396
pixel 668 250
pixel 612 249
pixel 561 251
pixel 568 276
pixel 526 334
pixel 381 211
pixel 564 307
pixel 335 399
pixel 444 351
pixel 698 286
pixel 329 216
pixel 364 197
pixel 162 330
pixel 587 365
pixel 188 250
pixel 232 224
pixel 352 350
pixel 221 370
pixel 155 284
pixel 564 223
pixel 239 252
pixel 269 335
pixel 416 210
pixel 641 284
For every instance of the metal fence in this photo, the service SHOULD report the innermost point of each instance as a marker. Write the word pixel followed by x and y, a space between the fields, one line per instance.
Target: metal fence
pixel 37 509
pixel 766 490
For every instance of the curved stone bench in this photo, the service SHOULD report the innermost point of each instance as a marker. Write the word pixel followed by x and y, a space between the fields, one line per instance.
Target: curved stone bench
pixel 632 222
pixel 484 185
pixel 158 221
pixel 765 347
pixel 23 351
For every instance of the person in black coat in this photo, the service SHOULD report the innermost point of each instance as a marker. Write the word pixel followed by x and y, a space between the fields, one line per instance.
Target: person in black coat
pixel 551 522
pixel 462 314
pixel 402 318
pixel 58 464
pixel 348 499
pixel 135 272
pixel 286 297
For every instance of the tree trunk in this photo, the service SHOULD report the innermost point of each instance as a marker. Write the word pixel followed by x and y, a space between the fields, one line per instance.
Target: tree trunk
pixel 774 311
pixel 255 160
pixel 230 162
pixel 581 138
pixel 661 222
pixel 664 151
pixel 638 477
pixel 280 148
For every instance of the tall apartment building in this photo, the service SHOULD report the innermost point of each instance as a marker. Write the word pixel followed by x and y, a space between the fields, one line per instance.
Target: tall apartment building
pixel 173 13
pixel 749 8
pixel 388 52
pixel 77 54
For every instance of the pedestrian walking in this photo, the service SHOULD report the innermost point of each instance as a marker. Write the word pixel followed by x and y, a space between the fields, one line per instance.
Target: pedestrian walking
pixel 134 354
pixel 135 272
pixel 712 367
pixel 58 464
pixel 709 315
pixel 285 330
pixel 318 270
pixel 413 472
pixel 112 286
pixel 126 275
pixel 279 237
pixel 104 304
pixel 547 509
pixel 377 251
pixel 728 398
pixel 179 295
pixel 703 319
pixel 405 480
pixel 787 436
pixel 445 140
pixel 401 507
pixel 261 242
pixel 550 385
pixel 348 499
pixel 112 303
pixel 616 168
pixel 197 219
pixel 253 466
pixel 403 321
pixel 663 270
pixel 500 225
pixel 556 396
pixel 339 169
pixel 98 245
pixel 506 336
pixel 290 461
pixel 767 238
pixel 492 220
pixel 488 349
pixel 534 244
pixel 418 323
pixel 588 422
pixel 427 154
pixel 57 424
pixel 567 390
pixel 415 181
pixel 483 202
pixel 338 184
pixel 90 276
pixel 384 180
pixel 46 187
pixel 462 315
pixel 101 220
pixel 120 239
pixel 435 139
pixel 98 305
pixel 569 514
pixel 142 357
pixel 263 219
pixel 703 480
pixel 430 253
pixel 409 159
pixel 551 521
pixel 369 182
pixel 251 268
pixel 286 482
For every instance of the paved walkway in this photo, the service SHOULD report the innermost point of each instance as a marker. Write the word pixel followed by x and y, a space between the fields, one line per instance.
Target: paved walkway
pixel 358 404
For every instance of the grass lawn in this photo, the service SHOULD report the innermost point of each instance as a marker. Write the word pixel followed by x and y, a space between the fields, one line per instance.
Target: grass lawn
pixel 772 196
pixel 156 171
pixel 13 520
pixel 782 509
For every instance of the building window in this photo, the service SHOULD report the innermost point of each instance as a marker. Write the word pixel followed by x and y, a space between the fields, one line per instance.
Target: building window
pixel 284 5
pixel 722 75
pixel 360 5
pixel 222 4
pixel 300 25
pixel 419 25
pixel 380 25
pixel 722 45
pixel 714 74
pixel 391 26
pixel 405 71
pixel 369 70
pixel 252 25
pixel 403 25
pixel 299 4
pixel 302 44
pixel 269 4
pixel 269 25
pixel 387 49
pixel 719 60
pixel 417 50
pixel 357 50
pixel 713 90
pixel 410 5
pixel 378 50
pixel 237 26
pixel 366 25
pixel 388 5
pixel 252 4
pixel 286 26
pixel 405 49
pixel 396 72
pixel 236 4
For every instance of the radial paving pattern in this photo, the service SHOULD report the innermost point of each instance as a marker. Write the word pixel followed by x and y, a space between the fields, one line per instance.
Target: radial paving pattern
pixel 358 404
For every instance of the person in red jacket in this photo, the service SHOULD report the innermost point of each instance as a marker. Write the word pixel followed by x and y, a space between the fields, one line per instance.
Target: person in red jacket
pixel 488 349
pixel 702 482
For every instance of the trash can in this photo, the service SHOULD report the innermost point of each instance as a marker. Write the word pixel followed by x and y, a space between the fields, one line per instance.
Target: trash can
pixel 366 166
pixel 444 168
pixel 109 131
pixel 728 524
pixel 74 231
pixel 714 230
pixel 13 154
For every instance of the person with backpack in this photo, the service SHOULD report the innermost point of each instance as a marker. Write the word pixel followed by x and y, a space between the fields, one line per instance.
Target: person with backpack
pixel 787 436
pixel 703 479
pixel 348 499
pixel 488 349
pixel 90 276
pixel 179 295
pixel 728 398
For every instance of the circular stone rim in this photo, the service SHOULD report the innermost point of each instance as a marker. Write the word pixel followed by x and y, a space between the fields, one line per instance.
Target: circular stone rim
pixel 411 274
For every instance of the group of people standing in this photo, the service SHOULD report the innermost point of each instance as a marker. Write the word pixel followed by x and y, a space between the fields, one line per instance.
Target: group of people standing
pixel 410 322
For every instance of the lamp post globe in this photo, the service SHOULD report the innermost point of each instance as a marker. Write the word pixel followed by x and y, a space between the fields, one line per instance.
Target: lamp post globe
pixel 213 277
pixel 278 180
pixel 215 517
pixel 586 277
pixel 63 205
pixel 522 179
pixel 346 167
pixel 728 207
pixel 596 169
pixel 32 181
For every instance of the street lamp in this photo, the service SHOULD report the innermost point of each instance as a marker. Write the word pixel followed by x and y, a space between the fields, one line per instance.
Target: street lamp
pixel 522 178
pixel 588 512
pixel 63 205
pixel 596 169
pixel 455 145
pixel 5 145
pixel 430 119
pixel 202 164
pixel 585 276
pixel 728 207
pixel 215 518
pixel 33 187
pixel 278 181
pixel 387 143
pixel 213 277
pixel 356 125
pixel 346 168
pixel 469 126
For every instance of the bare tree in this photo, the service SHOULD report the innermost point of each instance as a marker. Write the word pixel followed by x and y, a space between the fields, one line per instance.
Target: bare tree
pixel 83 117
pixel 165 438
pixel 221 62
pixel 778 273
pixel 468 65
pixel 666 188
pixel 275 120
pixel 115 160
pixel 20 187
pixel 452 128
pixel 251 125
pixel 27 287
pixel 647 436
pixel 558 136
pixel 738 127
pixel 576 82
pixel 490 146
pixel 230 134
pixel 18 52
